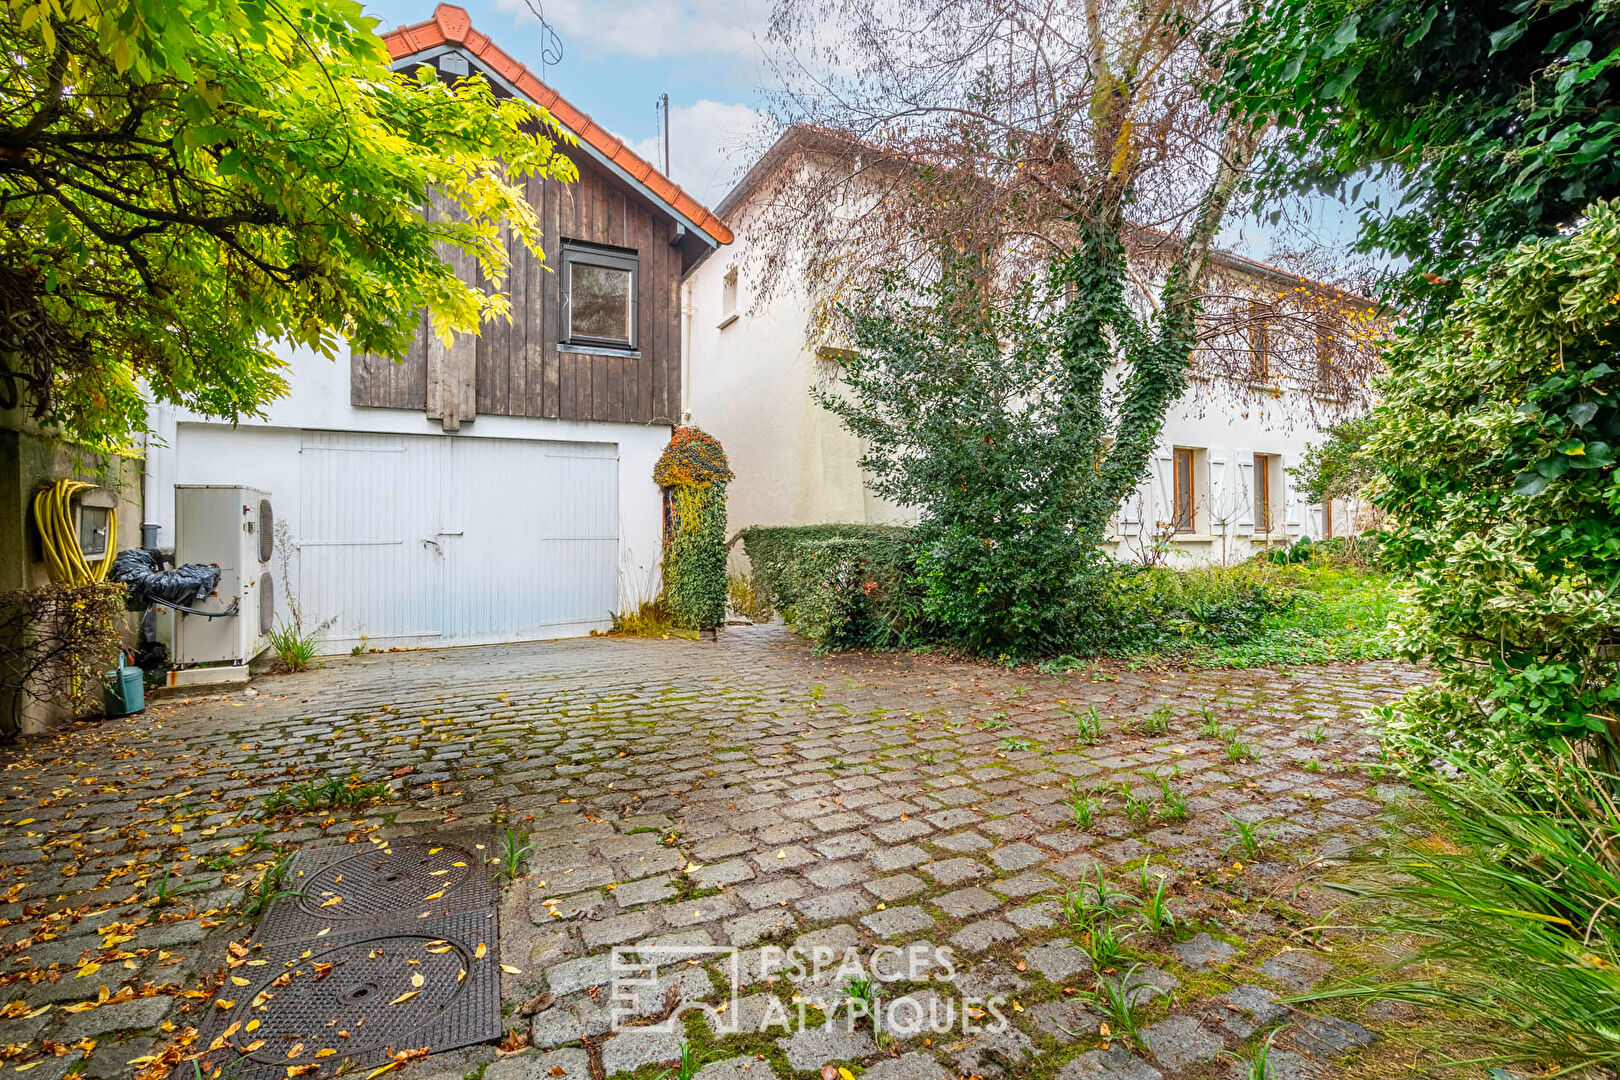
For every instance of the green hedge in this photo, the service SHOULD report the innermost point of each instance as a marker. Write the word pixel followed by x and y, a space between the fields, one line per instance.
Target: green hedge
pixel 772 549
pixel 843 586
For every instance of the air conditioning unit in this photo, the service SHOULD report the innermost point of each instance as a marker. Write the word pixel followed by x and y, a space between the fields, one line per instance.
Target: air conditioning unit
pixel 232 528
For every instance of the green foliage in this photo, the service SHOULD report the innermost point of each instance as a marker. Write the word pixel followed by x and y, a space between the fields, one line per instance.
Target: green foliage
pixel 295 650
pixel 745 599
pixel 191 186
pixel 694 469
pixel 55 641
pixel 852 593
pixel 649 618
pixel 1496 121
pixel 1496 444
pixel 774 550
pixel 1512 900
pixel 1335 468
pixel 994 419
pixel 1160 609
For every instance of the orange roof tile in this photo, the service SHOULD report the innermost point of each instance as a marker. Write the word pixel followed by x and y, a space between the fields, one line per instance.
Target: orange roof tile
pixel 451 25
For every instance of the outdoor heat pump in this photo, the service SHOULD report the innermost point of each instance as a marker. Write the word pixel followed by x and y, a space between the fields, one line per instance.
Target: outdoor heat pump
pixel 232 528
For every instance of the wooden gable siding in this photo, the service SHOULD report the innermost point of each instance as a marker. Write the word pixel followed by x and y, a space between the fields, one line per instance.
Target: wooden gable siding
pixel 520 371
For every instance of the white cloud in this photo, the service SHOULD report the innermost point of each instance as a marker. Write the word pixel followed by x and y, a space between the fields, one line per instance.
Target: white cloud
pixel 654 28
pixel 711 144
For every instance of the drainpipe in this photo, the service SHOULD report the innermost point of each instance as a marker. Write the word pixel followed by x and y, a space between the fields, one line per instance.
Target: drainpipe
pixel 686 351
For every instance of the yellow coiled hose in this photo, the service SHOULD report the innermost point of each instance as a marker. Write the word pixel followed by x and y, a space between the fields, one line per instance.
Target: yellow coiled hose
pixel 64 558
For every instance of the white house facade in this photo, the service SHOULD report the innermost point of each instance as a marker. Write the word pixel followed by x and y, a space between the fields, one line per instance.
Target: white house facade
pixel 500 488
pixel 1219 488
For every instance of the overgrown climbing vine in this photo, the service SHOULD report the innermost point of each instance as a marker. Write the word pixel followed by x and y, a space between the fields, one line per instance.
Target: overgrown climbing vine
pixel 694 471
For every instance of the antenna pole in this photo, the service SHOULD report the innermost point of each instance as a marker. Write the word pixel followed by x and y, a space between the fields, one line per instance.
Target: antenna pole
pixel 663 112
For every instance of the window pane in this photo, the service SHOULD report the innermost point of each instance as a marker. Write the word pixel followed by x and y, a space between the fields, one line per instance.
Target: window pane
pixel 1183 492
pixel 599 302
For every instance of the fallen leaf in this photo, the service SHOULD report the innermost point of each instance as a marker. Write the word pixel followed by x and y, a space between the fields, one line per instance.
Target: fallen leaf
pixel 510 970
pixel 479 952
pixel 406 996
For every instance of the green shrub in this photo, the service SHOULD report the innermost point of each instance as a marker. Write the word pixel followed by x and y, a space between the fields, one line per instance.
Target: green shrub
pixel 1496 449
pixel 851 593
pixel 1159 609
pixel 693 468
pixel 772 551
pixel 1513 900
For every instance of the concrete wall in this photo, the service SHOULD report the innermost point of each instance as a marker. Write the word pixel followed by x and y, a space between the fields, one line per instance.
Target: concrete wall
pixel 30 459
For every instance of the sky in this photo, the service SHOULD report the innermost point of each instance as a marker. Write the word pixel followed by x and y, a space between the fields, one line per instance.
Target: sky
pixel 619 55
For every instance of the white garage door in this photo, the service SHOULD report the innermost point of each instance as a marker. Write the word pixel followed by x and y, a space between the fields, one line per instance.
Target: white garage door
pixel 410 541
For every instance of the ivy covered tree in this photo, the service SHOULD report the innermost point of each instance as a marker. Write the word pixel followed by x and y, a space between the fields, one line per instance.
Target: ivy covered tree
pixel 189 187
pixel 693 470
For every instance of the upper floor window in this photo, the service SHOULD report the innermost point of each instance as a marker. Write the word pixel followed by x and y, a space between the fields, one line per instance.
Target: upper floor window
pixel 598 296
pixel 1259 335
pixel 728 298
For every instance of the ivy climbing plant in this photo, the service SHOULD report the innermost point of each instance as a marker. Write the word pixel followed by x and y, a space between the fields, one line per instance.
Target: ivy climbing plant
pixel 693 470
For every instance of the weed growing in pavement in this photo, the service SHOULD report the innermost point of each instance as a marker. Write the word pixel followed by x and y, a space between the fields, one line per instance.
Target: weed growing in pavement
pixel 1156 915
pixel 1238 750
pixel 509 859
pixel 1138 810
pixel 265 888
pixel 1317 734
pixel 1081 806
pixel 1118 1000
pixel 1211 726
pixel 688 1067
pixel 1245 835
pixel 1101 942
pixel 1172 803
pixel 1159 722
pixel 1015 744
pixel 1259 1066
pixel 324 794
pixel 1087 726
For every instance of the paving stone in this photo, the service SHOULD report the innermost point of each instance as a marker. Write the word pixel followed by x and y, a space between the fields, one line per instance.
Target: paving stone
pixel 912 1066
pixel 755 1014
pixel 775 892
pixel 737 1068
pixel 574 1062
pixel 1057 963
pixel 572 975
pixel 646 891
pixel 1144 982
pixel 1328 1036
pixel 979 936
pixel 835 875
pixel 568 1022
pixel 1026 884
pixel 954 871
pixel 965 902
pixel 898 922
pixel 632 1048
pixel 1297 969
pixel 1202 952
pixel 896 887
pixel 137 1015
pixel 1181 1041
pixel 895 832
pixel 1015 857
pixel 1042 916
pixel 723 873
pixel 1066 1019
pixel 1115 1063
pixel 808 1049
pixel 995 1054
pixel 836 905
pixel 749 929
pixel 902 857
pixel 618 929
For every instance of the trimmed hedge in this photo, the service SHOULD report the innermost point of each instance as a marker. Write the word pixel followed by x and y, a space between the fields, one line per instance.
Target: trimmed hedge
pixel 772 549
pixel 843 586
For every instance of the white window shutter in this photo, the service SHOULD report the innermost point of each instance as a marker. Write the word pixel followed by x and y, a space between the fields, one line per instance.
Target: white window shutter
pixel 1245 496
pixel 1293 503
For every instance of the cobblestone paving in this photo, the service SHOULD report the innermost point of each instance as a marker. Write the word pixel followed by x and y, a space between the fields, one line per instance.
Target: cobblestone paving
pixel 734 794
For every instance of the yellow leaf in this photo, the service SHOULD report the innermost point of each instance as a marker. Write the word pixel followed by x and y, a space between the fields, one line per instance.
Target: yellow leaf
pixel 433 896
pixel 334 900
pixel 252 1025
pixel 845 1074
pixel 480 951
pixel 510 970
pixel 89 969
pixel 382 1069
pixel 327 1052
pixel 417 980
pixel 406 996
pixel 237 980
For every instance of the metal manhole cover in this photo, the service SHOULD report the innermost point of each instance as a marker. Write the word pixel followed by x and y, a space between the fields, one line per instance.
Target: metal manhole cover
pixel 344 887
pixel 359 999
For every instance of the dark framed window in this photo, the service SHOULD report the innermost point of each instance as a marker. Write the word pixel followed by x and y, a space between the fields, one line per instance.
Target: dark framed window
pixel 1183 490
pixel 598 296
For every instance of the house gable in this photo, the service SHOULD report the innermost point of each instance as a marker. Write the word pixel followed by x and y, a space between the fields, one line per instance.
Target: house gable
pixel 621 207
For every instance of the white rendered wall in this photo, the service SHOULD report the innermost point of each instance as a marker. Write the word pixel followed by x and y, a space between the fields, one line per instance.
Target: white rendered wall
pixel 258 455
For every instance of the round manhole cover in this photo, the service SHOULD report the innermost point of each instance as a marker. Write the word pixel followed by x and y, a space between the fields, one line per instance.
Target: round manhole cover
pixel 408 878
pixel 351 999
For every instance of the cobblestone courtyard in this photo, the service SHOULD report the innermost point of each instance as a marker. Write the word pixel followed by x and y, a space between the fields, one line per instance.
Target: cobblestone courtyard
pixel 741 793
